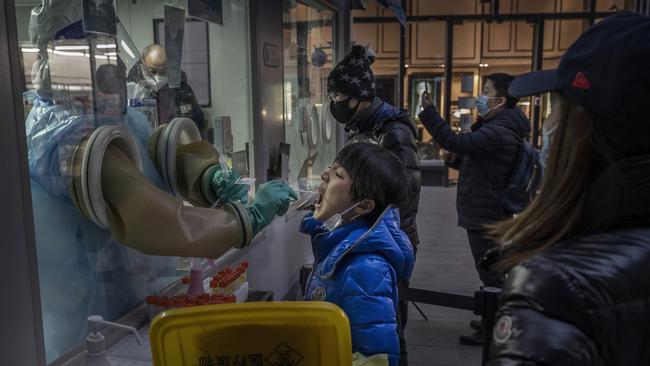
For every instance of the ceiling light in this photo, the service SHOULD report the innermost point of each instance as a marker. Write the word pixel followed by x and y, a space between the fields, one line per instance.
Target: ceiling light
pixel 71 48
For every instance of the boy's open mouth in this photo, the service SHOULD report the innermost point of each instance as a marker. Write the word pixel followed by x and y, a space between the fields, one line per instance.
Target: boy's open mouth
pixel 319 201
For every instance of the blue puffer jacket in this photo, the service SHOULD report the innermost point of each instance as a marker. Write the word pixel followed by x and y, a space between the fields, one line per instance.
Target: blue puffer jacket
pixel 356 267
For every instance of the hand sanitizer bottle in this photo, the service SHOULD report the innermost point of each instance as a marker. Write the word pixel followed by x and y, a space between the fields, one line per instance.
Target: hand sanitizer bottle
pixel 96 342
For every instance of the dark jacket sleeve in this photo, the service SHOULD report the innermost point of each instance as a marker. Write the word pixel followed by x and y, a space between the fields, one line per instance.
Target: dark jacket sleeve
pixel 197 112
pixel 485 140
pixel 539 339
pixel 400 140
pixel 533 328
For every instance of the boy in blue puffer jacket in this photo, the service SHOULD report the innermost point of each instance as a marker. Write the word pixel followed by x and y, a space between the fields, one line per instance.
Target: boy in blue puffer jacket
pixel 359 260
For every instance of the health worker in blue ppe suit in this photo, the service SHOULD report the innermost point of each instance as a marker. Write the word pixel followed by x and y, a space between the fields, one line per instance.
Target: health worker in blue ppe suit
pixel 83 268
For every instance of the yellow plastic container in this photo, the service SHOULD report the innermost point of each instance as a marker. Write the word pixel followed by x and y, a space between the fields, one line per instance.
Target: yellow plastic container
pixel 263 333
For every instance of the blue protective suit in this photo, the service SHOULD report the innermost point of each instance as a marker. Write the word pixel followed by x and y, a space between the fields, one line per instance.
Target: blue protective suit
pixel 357 267
pixel 82 270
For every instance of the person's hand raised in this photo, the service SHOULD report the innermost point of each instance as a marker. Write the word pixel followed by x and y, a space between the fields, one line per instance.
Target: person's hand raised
pixel 427 100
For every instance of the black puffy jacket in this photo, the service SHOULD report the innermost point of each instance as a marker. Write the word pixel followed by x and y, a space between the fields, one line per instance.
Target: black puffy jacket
pixel 489 154
pixel 394 130
pixel 585 301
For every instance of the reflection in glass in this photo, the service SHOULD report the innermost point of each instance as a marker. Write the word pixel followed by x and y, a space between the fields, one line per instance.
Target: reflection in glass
pixel 308 59
pixel 76 85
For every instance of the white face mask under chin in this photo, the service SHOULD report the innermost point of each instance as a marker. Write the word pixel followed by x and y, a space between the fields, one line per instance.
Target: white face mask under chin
pixel 337 219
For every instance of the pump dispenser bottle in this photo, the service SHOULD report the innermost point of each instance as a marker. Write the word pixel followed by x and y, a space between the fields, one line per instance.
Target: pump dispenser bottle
pixel 96 342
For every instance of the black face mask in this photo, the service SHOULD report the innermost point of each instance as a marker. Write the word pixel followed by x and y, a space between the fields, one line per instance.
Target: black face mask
pixel 342 112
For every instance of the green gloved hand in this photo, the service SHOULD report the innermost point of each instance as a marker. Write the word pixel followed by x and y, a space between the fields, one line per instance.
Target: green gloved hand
pixel 223 187
pixel 272 198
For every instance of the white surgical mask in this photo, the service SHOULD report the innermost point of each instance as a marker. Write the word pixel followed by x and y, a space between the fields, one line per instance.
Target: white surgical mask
pixel 337 219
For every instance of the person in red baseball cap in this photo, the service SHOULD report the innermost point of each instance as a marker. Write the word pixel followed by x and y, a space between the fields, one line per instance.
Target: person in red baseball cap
pixel 578 287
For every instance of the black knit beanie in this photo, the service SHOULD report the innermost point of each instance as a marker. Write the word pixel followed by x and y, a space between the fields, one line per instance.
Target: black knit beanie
pixel 353 75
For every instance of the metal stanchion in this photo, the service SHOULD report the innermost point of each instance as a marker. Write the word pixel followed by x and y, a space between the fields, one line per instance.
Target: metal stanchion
pixel 488 309
pixel 484 303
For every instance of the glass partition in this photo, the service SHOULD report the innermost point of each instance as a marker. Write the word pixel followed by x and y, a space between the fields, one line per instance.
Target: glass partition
pixel 215 64
pixel 308 58
pixel 79 81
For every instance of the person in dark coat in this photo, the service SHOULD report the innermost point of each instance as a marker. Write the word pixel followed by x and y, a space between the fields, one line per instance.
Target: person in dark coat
pixel 578 288
pixel 489 155
pixel 351 88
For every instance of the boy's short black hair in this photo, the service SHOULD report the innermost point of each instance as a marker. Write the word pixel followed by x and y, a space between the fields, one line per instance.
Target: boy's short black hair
pixel 501 82
pixel 376 174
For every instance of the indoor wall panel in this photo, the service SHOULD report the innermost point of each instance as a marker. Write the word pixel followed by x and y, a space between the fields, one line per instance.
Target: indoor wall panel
pixel 569 30
pixel 429 38
pixel 524 31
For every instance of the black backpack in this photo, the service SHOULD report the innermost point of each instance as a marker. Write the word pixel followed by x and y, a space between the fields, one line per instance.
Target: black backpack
pixel 524 180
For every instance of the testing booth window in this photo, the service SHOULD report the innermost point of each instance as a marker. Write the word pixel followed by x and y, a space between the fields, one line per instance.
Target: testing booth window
pixel 84 74
pixel 309 57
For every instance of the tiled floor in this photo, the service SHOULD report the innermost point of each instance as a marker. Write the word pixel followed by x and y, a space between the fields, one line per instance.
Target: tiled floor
pixel 444 263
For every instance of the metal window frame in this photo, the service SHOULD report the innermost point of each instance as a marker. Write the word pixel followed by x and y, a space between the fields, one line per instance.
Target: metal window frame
pixel 21 338
pixel 486 17
pixel 343 36
pixel 537 19
pixel 402 61
pixel 268 133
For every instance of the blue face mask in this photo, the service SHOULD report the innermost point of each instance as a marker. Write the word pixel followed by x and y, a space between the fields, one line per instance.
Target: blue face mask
pixel 481 104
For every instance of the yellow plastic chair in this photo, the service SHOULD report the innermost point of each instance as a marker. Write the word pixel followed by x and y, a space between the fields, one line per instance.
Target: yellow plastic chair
pixel 252 334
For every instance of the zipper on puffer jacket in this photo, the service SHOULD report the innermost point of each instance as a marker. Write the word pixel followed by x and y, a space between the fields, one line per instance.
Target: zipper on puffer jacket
pixel 314 242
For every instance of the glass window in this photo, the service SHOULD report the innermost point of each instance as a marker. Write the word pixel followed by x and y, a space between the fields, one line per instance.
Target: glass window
pixel 308 59
pixel 196 56
pixel 79 81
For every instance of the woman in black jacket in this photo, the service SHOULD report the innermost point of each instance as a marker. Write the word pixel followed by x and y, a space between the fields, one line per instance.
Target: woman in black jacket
pixel 578 289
